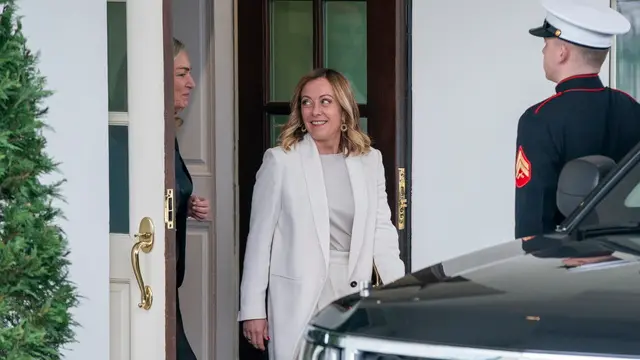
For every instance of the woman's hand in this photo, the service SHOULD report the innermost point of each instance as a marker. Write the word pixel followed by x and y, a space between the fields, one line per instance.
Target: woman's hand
pixel 198 208
pixel 256 332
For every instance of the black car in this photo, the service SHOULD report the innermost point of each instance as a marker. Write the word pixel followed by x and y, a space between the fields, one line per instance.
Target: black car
pixel 570 294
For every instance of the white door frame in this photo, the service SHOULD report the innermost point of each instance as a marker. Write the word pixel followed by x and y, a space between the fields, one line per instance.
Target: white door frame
pixel 223 62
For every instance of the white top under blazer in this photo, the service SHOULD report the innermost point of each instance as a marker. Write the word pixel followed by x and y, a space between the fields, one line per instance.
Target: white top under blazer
pixel 339 200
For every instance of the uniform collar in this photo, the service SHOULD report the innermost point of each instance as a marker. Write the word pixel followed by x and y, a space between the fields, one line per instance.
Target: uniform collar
pixel 583 81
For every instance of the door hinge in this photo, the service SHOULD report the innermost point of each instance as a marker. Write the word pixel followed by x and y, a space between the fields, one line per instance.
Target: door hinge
pixel 402 198
pixel 169 212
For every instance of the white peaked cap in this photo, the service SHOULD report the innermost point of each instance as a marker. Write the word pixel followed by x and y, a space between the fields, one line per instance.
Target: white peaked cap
pixel 589 23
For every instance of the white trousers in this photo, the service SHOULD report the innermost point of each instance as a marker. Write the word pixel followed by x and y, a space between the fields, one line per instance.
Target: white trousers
pixel 336 285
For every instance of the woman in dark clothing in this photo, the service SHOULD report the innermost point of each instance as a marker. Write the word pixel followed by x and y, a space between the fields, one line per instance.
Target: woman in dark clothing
pixel 187 204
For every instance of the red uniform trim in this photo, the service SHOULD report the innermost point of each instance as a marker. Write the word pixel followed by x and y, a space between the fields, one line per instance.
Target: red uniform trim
pixel 629 95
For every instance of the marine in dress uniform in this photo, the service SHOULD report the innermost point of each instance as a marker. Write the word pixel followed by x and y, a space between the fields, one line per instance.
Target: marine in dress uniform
pixel 584 117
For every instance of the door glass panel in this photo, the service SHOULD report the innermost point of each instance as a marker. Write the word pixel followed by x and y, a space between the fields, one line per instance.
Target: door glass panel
pixel 118 179
pixel 364 124
pixel 117 55
pixel 291 29
pixel 276 122
pixel 628 50
pixel 119 132
pixel 345 47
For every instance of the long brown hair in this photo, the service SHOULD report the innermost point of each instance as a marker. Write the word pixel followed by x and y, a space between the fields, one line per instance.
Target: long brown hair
pixel 354 140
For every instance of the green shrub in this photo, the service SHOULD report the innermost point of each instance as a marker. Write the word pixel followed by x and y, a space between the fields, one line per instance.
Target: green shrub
pixel 36 295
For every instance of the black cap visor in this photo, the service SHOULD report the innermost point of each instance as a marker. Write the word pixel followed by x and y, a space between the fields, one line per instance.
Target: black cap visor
pixel 545 31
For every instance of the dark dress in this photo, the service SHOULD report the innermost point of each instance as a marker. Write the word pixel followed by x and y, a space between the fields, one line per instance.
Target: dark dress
pixel 184 188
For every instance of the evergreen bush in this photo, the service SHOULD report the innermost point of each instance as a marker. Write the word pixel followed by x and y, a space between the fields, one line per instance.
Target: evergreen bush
pixel 36 295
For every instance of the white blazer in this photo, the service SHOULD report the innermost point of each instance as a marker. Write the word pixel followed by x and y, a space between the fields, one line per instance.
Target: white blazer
pixel 287 254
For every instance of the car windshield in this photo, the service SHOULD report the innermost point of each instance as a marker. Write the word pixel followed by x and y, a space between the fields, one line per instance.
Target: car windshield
pixel 621 205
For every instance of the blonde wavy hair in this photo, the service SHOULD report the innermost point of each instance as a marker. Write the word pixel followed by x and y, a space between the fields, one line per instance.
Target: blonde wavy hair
pixel 353 141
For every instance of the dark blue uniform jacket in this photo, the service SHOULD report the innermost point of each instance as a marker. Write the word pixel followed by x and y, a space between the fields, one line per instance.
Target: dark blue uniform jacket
pixel 583 118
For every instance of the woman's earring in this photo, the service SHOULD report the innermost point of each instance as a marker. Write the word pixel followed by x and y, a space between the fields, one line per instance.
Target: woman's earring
pixel 343 127
pixel 303 128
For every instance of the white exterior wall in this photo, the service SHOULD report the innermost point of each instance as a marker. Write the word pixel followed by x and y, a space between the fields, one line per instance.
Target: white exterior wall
pixel 72 38
pixel 475 70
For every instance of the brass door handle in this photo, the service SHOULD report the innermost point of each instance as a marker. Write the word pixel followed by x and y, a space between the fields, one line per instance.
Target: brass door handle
pixel 144 241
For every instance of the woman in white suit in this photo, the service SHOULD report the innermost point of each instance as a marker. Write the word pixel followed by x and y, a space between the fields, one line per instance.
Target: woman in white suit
pixel 319 217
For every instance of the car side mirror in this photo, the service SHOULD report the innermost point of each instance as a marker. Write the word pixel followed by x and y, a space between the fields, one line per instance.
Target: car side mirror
pixel 578 178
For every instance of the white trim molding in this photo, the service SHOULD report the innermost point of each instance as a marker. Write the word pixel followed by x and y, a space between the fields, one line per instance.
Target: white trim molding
pixel 118 118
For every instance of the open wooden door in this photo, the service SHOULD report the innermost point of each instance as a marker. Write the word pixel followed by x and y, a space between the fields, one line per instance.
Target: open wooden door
pixel 368 41
pixel 141 167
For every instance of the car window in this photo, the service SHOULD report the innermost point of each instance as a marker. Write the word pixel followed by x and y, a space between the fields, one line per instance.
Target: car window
pixel 621 205
pixel 633 199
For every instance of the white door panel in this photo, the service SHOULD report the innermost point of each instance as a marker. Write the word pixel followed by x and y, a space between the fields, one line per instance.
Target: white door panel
pixel 207 140
pixel 137 179
pixel 192 25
